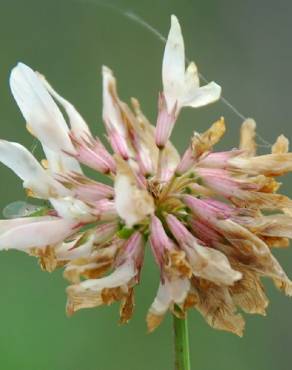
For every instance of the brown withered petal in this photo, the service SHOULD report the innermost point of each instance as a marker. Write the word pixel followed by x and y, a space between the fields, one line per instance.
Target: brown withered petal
pixel 191 300
pixel 47 258
pixel 74 272
pixel 249 293
pixel 266 184
pixel 250 250
pixel 218 309
pixel 204 142
pixel 99 262
pixel 242 239
pixel 278 225
pixel 275 242
pixel 262 201
pixel 111 295
pixel 176 263
pixel 127 307
pixel 78 299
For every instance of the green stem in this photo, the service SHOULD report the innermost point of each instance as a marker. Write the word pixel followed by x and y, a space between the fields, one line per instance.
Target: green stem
pixel 181 344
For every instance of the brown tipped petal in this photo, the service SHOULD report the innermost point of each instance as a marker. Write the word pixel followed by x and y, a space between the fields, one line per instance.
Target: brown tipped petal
pixel 253 252
pixel 212 265
pixel 91 270
pixel 274 225
pixel 95 292
pixel 173 291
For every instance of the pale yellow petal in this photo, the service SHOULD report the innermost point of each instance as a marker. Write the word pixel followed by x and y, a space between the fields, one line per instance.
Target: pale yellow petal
pixel 247 137
pixel 281 145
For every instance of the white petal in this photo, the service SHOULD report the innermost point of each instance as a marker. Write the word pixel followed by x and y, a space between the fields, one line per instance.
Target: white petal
pixel 170 292
pixel 72 209
pixel 182 87
pixel 6 225
pixel 198 97
pixel 179 289
pixel 111 113
pixel 64 251
pixel 78 126
pixel 173 65
pixel 129 199
pixel 191 79
pixel 121 276
pixel 38 108
pixel 24 164
pixel 162 301
pixel 37 234
pixel 41 113
pixel 60 162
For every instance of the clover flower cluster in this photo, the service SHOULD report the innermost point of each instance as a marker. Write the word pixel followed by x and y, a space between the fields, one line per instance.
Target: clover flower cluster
pixel 210 218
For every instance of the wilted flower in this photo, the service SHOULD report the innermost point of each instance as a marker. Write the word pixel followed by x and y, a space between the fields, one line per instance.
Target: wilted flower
pixel 211 218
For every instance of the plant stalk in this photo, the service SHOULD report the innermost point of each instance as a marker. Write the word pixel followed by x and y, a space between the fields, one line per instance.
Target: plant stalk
pixel 181 344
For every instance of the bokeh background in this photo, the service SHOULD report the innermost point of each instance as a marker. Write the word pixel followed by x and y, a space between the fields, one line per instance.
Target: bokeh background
pixel 243 45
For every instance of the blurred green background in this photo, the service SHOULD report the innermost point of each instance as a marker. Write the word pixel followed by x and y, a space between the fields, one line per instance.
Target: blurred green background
pixel 243 45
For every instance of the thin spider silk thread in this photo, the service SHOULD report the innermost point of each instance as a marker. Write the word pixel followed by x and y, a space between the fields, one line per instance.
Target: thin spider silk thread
pixel 140 21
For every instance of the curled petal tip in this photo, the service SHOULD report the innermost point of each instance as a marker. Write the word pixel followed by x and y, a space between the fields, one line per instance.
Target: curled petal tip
pixel 174 22
pixel 106 69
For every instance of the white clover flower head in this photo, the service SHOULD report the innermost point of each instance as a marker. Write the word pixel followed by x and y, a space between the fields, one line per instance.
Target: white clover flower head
pixel 204 214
